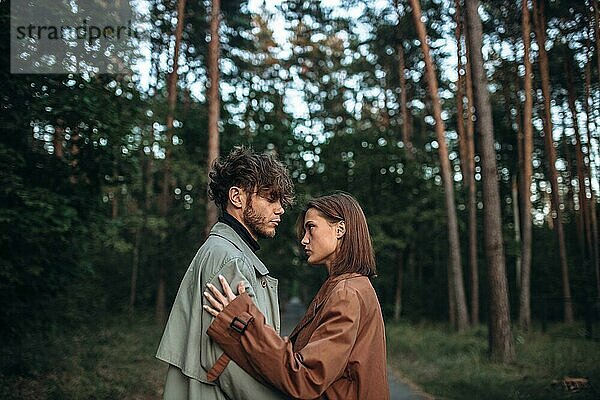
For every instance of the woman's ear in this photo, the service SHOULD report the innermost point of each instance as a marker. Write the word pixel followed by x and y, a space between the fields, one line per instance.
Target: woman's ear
pixel 340 230
pixel 237 197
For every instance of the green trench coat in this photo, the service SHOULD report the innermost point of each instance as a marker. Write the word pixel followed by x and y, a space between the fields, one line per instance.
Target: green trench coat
pixel 185 344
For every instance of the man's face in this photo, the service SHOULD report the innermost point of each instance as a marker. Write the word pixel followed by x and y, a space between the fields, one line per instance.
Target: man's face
pixel 261 216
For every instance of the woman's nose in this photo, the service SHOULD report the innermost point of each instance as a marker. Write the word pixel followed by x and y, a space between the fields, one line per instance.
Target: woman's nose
pixel 304 239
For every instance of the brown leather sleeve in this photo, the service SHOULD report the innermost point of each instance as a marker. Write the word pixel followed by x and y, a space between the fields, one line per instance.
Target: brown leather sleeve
pixel 305 374
pixel 220 328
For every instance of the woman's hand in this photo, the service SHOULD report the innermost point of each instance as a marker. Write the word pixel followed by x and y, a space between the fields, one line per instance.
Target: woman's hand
pixel 220 300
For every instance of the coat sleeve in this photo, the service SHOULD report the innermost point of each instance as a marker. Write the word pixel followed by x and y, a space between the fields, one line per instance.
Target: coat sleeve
pixel 234 381
pixel 304 374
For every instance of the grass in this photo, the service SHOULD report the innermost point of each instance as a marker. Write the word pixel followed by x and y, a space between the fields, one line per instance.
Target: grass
pixel 113 360
pixel 456 366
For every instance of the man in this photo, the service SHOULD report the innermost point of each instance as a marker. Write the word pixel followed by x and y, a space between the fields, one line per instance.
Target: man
pixel 251 191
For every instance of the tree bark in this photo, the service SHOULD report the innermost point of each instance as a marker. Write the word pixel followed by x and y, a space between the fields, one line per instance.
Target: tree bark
pixel 526 176
pixel 385 111
pixel 581 193
pixel 472 188
pixel 406 129
pixel 214 104
pixel 540 29
pixel 597 33
pixel 58 138
pixel 452 313
pixel 500 336
pixel 146 165
pixel 114 187
pixel 135 262
pixel 453 239
pixel 467 150
pixel 460 121
pixel 165 200
pixel 588 166
pixel 398 292
pixel 517 224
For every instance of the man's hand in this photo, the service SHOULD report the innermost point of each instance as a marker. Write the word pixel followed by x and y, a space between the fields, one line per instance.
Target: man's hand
pixel 219 300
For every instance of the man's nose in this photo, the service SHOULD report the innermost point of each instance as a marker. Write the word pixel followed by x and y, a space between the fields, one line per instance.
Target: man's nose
pixel 279 210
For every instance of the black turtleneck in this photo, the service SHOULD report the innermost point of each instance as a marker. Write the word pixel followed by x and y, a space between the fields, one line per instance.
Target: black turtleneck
pixel 240 229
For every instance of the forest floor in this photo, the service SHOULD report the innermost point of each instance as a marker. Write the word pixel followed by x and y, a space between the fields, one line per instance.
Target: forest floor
pixel 115 360
pixel 557 364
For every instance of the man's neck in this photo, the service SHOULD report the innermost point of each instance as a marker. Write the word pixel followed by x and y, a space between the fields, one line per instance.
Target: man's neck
pixel 240 229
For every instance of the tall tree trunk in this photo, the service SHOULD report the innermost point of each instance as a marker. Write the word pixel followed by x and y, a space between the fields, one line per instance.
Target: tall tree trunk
pixel 500 336
pixel 517 224
pixel 581 193
pixel 115 188
pixel 141 231
pixel 58 138
pixel 511 105
pixel 540 29
pixel 135 262
pixel 467 155
pixel 597 33
pixel 165 200
pixel 398 292
pixel 454 242
pixel 452 313
pixel 568 198
pixel 406 128
pixel 385 111
pixel 460 121
pixel 526 176
pixel 588 166
pixel 472 189
pixel 214 104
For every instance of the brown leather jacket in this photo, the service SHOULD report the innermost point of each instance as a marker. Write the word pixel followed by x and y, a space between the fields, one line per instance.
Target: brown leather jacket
pixel 337 351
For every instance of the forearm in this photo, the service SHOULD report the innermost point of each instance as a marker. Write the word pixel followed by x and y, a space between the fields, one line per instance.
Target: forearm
pixel 234 381
pixel 259 348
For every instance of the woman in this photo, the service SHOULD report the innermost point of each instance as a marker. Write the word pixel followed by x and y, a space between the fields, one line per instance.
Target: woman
pixel 338 350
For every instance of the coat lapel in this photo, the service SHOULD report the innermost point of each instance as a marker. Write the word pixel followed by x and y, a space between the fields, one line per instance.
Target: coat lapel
pixel 317 302
pixel 226 232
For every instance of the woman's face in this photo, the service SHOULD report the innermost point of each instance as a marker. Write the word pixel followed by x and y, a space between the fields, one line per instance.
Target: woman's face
pixel 321 238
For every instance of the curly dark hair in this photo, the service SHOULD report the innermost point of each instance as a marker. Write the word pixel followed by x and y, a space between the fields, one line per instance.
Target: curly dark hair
pixel 253 172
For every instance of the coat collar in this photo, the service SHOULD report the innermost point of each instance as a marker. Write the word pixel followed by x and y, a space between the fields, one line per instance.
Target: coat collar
pixel 240 229
pixel 322 295
pixel 226 232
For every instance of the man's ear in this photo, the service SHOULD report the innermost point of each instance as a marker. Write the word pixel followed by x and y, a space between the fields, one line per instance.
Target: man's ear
pixel 237 197
pixel 340 230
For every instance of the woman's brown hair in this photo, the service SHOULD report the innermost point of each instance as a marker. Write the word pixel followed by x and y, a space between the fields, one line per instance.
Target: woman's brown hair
pixel 355 253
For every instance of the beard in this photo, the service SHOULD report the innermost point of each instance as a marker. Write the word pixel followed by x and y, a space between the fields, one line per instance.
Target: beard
pixel 257 224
